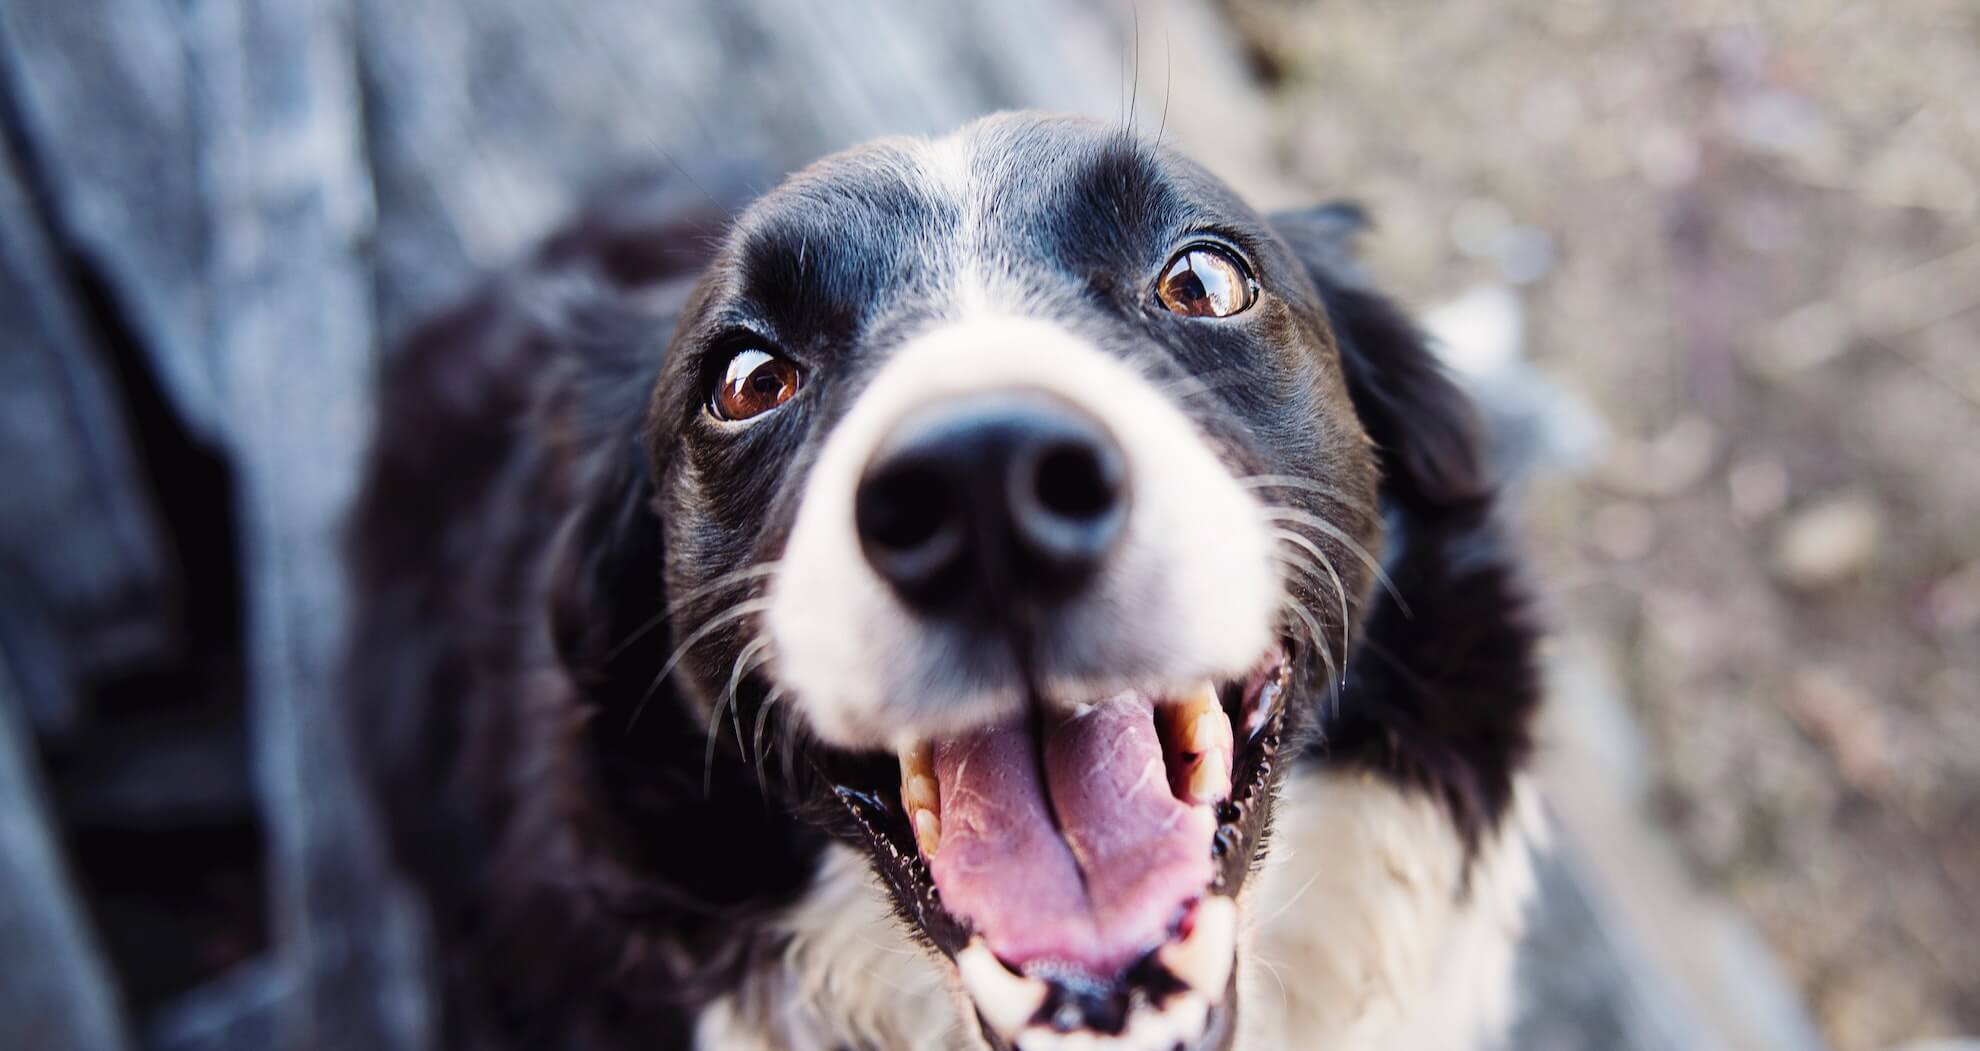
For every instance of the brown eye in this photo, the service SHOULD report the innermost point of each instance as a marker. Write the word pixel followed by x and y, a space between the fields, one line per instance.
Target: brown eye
pixel 754 382
pixel 1205 281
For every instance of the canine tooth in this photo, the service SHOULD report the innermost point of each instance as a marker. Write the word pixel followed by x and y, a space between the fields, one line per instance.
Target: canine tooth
pixel 1209 778
pixel 917 761
pixel 919 793
pixel 927 832
pixel 1204 958
pixel 1203 694
pixel 922 796
pixel 1006 1000
pixel 1211 730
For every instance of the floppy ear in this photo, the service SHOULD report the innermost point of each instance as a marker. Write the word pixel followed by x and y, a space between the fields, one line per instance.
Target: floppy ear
pixel 1423 425
pixel 590 293
pixel 605 586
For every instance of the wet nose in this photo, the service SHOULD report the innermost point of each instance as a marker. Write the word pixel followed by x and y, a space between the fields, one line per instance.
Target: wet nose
pixel 989 499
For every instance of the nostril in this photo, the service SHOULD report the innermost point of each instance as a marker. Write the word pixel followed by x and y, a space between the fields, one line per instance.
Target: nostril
pixel 1074 481
pixel 904 509
pixel 1068 504
pixel 991 499
pixel 909 519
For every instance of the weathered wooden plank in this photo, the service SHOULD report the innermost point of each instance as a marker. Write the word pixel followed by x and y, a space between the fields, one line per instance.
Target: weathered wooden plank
pixel 242 1010
pixel 1581 986
pixel 105 103
pixel 1683 969
pixel 54 992
pixel 293 336
pixel 84 580
pixel 488 120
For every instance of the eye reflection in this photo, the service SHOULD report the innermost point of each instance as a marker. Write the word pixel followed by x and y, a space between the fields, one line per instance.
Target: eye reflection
pixel 1205 281
pixel 754 382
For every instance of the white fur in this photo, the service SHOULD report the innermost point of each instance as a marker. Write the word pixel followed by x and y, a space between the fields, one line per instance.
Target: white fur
pixel 850 976
pixel 1360 934
pixel 1365 933
pixel 1190 595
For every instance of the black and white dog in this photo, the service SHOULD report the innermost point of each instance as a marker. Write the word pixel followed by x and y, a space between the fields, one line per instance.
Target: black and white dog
pixel 904 616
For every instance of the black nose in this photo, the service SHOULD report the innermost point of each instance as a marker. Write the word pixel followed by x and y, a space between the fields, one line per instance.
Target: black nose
pixel 993 499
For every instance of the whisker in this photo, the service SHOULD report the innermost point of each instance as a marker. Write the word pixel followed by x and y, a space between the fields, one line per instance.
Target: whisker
pixel 1294 900
pixel 745 608
pixel 1285 999
pixel 1312 627
pixel 1326 563
pixel 791 732
pixel 1289 481
pixel 696 594
pixel 1334 685
pixel 1134 96
pixel 1168 78
pixel 756 741
pixel 708 753
pixel 745 660
pixel 870 943
pixel 1336 673
pixel 1297 517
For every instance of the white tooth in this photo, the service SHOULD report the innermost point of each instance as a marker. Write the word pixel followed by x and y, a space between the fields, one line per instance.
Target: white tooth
pixel 1210 778
pixel 927 832
pixel 1007 1001
pixel 922 796
pixel 1210 730
pixel 1185 711
pixel 919 793
pixel 917 761
pixel 1178 1021
pixel 1204 958
pixel 1204 694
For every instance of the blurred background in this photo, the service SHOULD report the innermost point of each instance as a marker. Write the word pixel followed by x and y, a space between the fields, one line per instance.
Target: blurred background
pixel 1712 267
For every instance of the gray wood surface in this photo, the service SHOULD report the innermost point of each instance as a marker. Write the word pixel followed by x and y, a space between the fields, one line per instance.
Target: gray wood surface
pixel 292 334
pixel 54 992
pixel 105 102
pixel 84 580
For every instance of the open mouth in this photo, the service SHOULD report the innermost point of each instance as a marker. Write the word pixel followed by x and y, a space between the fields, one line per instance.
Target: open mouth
pixel 1082 866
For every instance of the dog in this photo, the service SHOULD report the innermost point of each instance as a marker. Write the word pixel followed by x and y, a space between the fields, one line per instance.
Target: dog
pixel 993 590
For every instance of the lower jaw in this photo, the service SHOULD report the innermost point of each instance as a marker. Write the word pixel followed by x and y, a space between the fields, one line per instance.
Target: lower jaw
pixel 1153 1007
pixel 1177 994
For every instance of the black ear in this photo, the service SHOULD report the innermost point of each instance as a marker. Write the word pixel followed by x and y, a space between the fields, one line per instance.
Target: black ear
pixel 1424 426
pixel 605 586
pixel 639 242
pixel 1441 691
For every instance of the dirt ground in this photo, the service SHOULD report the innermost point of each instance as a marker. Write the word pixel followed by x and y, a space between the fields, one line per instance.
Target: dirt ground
pixel 1746 234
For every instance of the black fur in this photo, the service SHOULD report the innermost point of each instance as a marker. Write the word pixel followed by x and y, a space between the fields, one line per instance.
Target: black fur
pixel 1441 691
pixel 586 892
pixel 538 491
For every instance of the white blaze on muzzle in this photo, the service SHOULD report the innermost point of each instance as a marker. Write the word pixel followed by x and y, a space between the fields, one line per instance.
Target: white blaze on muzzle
pixel 1189 593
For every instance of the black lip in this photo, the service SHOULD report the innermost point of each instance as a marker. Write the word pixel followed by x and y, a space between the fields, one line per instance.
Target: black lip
pixel 1219 1031
pixel 1241 823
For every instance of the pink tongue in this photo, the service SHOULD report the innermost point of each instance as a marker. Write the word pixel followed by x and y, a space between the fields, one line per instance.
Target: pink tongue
pixel 1101 886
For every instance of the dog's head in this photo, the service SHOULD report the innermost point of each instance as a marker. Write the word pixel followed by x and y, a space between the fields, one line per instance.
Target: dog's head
pixel 1020 504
